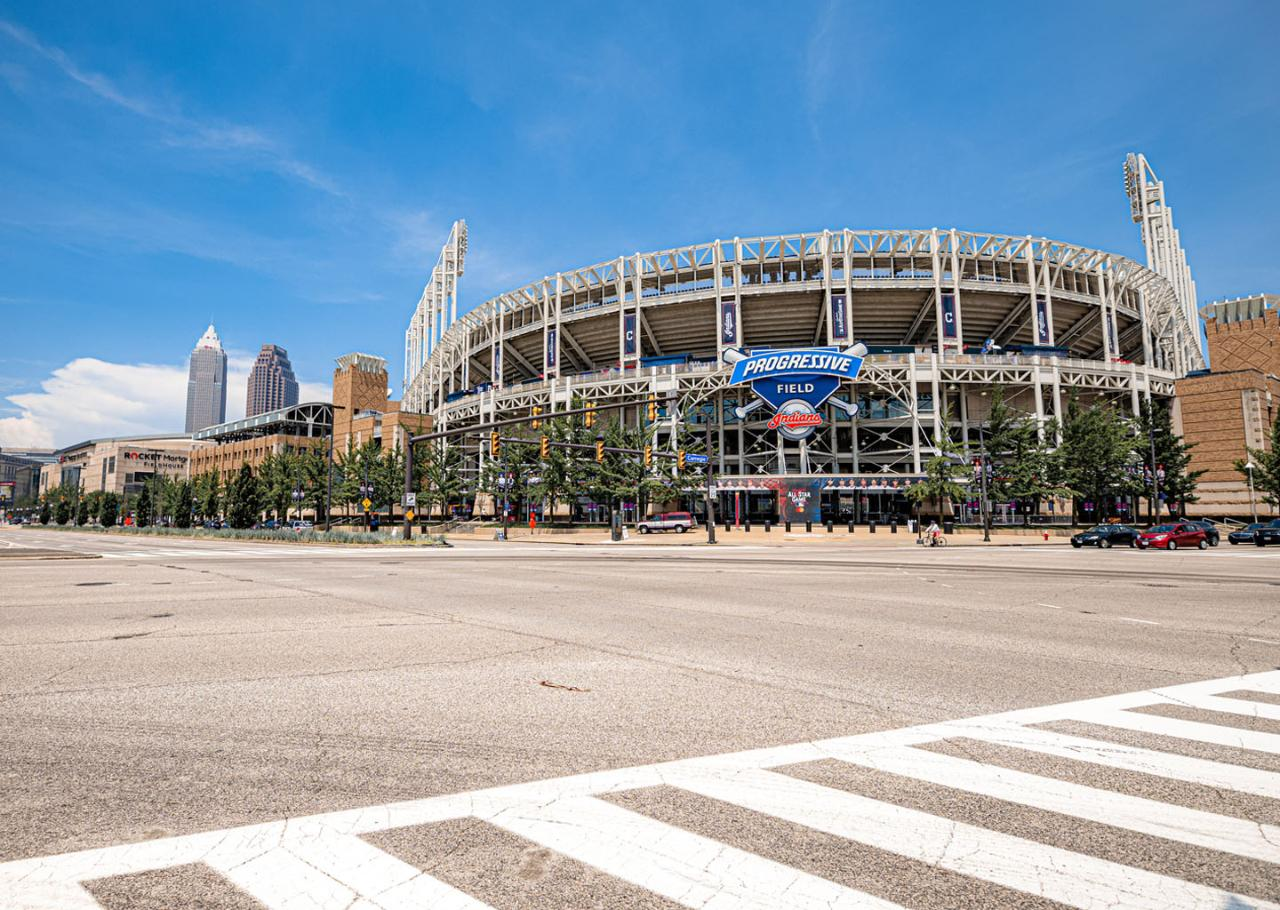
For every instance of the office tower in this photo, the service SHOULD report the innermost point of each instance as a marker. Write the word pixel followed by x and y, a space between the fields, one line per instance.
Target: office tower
pixel 207 383
pixel 272 384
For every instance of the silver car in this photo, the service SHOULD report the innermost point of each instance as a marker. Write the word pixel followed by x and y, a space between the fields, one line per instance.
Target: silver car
pixel 666 521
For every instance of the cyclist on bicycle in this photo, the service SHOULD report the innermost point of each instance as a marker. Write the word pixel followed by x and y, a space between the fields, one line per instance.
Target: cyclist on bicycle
pixel 934 533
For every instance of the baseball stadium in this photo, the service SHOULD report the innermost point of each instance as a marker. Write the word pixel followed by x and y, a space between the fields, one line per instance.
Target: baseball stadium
pixel 938 317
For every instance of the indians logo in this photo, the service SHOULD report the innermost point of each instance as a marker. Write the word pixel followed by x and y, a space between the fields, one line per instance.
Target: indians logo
pixel 796 383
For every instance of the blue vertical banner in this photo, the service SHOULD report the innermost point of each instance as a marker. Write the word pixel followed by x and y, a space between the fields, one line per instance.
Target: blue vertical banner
pixel 948 315
pixel 1042 320
pixel 551 348
pixel 839 318
pixel 496 378
pixel 629 335
pixel 1111 332
pixel 728 322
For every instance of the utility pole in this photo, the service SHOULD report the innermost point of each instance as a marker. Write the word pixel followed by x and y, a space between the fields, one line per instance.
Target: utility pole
pixel 985 508
pixel 1155 477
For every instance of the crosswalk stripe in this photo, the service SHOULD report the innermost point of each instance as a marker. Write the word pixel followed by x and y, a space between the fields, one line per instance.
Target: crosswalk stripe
pixel 1146 816
pixel 1217 775
pixel 1259 709
pixel 1034 868
pixel 681 866
pixel 1159 725
pixel 338 870
pixel 319 861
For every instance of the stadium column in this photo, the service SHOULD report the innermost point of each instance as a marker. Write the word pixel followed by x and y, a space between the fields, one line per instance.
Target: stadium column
pixel 1046 281
pixel 556 346
pixel 620 291
pixel 848 283
pixel 1033 278
pixel 939 318
pixel 1146 330
pixel 954 243
pixel 637 294
pixel 546 328
pixel 914 411
pixel 825 315
pixel 1104 302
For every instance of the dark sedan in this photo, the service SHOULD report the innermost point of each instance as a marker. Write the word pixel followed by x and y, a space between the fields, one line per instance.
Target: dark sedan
pixel 1244 535
pixel 1268 535
pixel 1106 536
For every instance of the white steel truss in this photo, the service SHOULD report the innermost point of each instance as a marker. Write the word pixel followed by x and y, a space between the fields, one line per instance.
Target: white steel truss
pixel 438 306
pixel 1165 255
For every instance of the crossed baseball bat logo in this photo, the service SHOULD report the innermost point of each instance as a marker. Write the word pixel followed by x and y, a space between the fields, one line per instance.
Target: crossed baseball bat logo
pixel 733 355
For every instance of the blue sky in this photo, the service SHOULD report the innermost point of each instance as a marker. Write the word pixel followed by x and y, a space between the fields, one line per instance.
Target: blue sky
pixel 291 169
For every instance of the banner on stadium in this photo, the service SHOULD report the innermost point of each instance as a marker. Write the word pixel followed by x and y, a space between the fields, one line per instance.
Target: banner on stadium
pixel 497 364
pixel 839 318
pixel 551 347
pixel 629 335
pixel 796 383
pixel 1042 320
pixel 728 322
pixel 948 315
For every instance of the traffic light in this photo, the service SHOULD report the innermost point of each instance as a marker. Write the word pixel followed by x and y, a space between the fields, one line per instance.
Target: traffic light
pixel 495 445
pixel 648 456
pixel 680 460
pixel 589 418
pixel 653 409
pixel 537 409
pixel 599 449
pixel 544 447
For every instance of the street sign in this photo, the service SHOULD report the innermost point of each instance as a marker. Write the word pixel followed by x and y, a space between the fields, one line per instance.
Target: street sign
pixel 695 459
pixel 409 515
pixel 367 503
pixel 410 500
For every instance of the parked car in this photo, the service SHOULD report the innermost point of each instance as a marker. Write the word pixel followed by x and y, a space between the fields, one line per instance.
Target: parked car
pixel 666 521
pixel 1268 535
pixel 301 525
pixel 1174 536
pixel 1245 534
pixel 1211 532
pixel 1106 536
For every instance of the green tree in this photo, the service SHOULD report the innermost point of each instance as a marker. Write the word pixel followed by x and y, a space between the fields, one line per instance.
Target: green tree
pixel 623 476
pixel 1097 452
pixel 1266 467
pixel 143 509
pixel 82 511
pixel 438 467
pixel 277 477
pixel 244 505
pixel 1024 466
pixel 108 508
pixel 315 463
pixel 185 505
pixel 942 473
pixel 386 473
pixel 46 511
pixel 1172 455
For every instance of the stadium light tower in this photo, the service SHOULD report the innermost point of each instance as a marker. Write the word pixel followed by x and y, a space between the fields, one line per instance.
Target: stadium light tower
pixel 438 307
pixel 1165 255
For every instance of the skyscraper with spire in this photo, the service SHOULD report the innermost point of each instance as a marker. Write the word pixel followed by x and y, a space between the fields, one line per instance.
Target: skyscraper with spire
pixel 207 383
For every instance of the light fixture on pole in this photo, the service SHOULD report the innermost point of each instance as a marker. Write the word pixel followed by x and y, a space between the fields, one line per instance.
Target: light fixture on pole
pixel 1253 506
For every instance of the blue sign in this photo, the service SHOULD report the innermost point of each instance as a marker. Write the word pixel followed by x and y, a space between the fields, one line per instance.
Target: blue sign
pixel 629 335
pixel 948 315
pixel 695 459
pixel 796 383
pixel 728 322
pixel 839 318
pixel 497 364
pixel 1042 321
pixel 551 347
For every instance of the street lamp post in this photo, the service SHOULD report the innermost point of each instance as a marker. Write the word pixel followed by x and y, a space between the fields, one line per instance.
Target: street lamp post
pixel 985 508
pixel 1253 506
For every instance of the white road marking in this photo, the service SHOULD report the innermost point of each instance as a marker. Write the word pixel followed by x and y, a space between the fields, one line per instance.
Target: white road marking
pixel 321 861
pixel 1263 641
pixel 1050 606
pixel 1145 622
pixel 1060 875
pixel 679 865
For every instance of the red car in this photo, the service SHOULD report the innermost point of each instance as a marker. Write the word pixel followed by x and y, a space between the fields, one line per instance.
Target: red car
pixel 1171 537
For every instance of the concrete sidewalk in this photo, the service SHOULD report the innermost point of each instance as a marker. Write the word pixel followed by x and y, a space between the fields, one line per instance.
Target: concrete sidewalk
pixel 861 537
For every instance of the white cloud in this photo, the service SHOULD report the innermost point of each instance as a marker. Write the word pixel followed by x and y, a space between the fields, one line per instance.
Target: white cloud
pixel 89 398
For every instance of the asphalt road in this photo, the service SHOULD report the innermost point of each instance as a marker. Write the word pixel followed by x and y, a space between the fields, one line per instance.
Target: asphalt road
pixel 156 700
